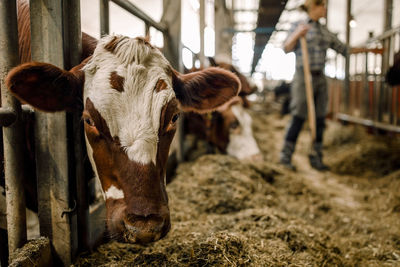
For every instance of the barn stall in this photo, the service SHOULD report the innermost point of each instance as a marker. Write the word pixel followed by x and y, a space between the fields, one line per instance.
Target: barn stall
pixel 230 212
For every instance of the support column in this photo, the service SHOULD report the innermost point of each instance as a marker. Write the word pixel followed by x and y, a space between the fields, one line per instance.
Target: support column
pixel 51 137
pixel 13 137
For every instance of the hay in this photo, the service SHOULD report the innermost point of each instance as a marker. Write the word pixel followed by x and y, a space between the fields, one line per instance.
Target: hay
pixel 229 213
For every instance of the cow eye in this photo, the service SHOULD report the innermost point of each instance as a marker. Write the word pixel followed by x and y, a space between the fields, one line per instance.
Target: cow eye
pixel 175 118
pixel 89 121
pixel 234 125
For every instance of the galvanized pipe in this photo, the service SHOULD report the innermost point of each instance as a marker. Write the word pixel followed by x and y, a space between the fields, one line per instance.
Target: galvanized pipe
pixel 137 12
pixel 13 137
pixel 76 145
pixel 104 18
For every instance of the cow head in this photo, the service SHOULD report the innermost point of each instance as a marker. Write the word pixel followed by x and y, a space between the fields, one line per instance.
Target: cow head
pixel 231 131
pixel 131 101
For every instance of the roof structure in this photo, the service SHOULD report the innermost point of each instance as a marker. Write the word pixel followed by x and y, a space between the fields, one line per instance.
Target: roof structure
pixel 269 12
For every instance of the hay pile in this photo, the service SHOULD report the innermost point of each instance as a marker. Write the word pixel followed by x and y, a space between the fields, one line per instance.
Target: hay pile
pixel 230 213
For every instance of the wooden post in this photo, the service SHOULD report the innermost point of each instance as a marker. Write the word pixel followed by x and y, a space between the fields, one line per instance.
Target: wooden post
pixel 13 137
pixel 51 136
pixel 309 89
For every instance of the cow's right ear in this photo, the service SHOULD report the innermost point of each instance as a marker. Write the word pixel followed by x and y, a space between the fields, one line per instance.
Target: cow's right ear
pixel 47 87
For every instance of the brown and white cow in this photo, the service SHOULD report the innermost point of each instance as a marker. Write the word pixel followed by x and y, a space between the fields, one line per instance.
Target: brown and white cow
pixel 247 86
pixel 229 128
pixel 131 101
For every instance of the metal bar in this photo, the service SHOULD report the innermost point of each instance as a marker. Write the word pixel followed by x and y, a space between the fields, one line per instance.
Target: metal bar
pixel 76 144
pixel 13 137
pixel 347 63
pixel 365 107
pixel 260 30
pixel 369 123
pixel 202 24
pixel 384 35
pixel 173 52
pixel 51 135
pixel 137 12
pixel 147 30
pixel 104 17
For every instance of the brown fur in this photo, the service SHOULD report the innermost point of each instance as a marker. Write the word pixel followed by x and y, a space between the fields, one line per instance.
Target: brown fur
pixel 145 40
pixel 48 87
pixel 117 82
pixel 246 88
pixel 160 85
pixel 112 45
pixel 205 90
pixel 24 35
pixel 143 185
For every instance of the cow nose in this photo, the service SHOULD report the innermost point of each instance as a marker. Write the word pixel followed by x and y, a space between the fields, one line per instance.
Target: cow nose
pixel 145 229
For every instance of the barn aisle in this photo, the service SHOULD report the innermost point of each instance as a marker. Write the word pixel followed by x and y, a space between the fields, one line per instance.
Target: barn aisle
pixel 229 213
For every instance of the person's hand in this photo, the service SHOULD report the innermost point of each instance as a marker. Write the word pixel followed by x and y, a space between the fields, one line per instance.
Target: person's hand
pixel 302 30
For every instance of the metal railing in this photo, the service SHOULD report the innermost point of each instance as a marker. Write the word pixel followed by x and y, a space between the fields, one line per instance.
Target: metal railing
pixel 58 155
pixel 370 100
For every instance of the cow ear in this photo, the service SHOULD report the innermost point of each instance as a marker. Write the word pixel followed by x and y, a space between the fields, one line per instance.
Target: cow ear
pixel 212 62
pixel 47 87
pixel 205 90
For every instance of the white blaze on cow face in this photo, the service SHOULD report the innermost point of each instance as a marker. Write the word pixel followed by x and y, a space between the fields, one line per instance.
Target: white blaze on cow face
pixel 132 114
pixel 242 144
pixel 114 193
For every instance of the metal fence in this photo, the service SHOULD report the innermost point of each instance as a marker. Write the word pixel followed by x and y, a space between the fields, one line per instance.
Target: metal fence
pixel 370 101
pixel 64 213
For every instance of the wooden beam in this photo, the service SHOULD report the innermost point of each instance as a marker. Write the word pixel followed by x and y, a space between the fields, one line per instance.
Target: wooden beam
pixel 13 137
pixel 51 137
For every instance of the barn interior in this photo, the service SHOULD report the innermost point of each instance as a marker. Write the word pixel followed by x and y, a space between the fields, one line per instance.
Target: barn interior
pixel 226 209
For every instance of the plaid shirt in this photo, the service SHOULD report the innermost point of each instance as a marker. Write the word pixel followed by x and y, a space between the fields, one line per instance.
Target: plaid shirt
pixel 319 39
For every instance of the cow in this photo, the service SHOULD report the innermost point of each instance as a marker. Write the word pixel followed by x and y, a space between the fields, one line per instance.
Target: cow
pixel 130 98
pixel 393 74
pixel 228 128
pixel 247 87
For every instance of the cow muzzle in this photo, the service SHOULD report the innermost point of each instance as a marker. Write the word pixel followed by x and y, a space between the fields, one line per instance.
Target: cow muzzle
pixel 145 229
pixel 134 228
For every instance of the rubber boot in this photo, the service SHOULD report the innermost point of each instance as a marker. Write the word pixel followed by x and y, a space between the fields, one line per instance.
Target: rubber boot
pixel 286 155
pixel 316 158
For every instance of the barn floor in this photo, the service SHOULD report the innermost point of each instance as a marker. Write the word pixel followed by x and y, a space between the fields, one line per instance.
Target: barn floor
pixel 229 213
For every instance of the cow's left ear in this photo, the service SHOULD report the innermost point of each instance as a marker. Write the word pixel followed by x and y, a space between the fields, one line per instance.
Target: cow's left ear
pixel 47 87
pixel 205 90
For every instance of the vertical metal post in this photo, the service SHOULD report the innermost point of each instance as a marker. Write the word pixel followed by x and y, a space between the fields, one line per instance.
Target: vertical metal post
pixel 223 19
pixel 173 52
pixel 202 26
pixel 51 135
pixel 13 136
pixel 384 102
pixel 365 107
pixel 76 144
pixel 347 63
pixel 147 30
pixel 104 17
